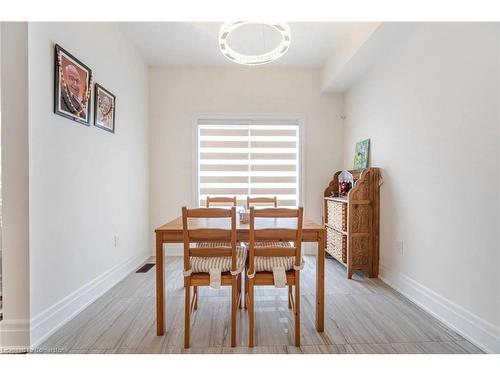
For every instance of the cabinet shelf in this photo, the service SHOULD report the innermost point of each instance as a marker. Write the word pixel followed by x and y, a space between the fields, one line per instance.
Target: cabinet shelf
pixel 338 199
pixel 352 222
pixel 336 229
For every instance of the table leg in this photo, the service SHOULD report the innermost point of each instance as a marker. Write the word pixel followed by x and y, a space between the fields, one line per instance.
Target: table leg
pixel 160 287
pixel 320 282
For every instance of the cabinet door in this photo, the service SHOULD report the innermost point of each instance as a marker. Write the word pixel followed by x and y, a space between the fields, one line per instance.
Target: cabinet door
pixel 336 244
pixel 337 215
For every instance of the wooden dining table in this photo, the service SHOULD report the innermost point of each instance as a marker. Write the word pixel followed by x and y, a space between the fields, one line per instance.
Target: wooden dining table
pixel 171 233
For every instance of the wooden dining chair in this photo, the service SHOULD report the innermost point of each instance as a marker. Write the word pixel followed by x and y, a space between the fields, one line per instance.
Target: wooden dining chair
pixel 262 202
pixel 211 265
pixel 219 200
pixel 274 258
pixel 270 201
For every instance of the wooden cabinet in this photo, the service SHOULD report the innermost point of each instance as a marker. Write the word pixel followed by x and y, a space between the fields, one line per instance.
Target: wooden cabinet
pixel 352 222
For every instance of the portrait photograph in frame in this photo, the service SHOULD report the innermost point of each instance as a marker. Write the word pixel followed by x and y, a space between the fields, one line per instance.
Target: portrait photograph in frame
pixel 72 87
pixel 104 108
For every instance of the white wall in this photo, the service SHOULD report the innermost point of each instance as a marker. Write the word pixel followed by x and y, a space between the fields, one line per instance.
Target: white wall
pixel 498 149
pixel 431 111
pixel 14 329
pixel 86 185
pixel 177 95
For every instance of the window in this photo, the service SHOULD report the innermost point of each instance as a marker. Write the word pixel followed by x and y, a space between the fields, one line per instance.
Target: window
pixel 248 157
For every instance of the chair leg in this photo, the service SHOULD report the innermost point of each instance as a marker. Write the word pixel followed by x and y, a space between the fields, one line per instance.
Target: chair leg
pixel 290 291
pixel 250 313
pixel 240 302
pixel 246 291
pixel 349 271
pixel 187 313
pixel 196 297
pixel 297 308
pixel 234 308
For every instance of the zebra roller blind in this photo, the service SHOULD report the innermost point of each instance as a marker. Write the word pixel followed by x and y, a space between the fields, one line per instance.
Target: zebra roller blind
pixel 248 157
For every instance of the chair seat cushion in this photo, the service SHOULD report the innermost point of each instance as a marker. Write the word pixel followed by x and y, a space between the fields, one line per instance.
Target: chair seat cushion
pixel 205 264
pixel 272 244
pixel 213 244
pixel 266 264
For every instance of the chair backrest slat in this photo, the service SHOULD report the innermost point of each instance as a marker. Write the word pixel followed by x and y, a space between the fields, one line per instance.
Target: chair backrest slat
pixel 209 235
pixel 274 234
pixel 263 200
pixel 210 252
pixel 275 251
pixel 209 212
pixel 216 200
pixel 213 235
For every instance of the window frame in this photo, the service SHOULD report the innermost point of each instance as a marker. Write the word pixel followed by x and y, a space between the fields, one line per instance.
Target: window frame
pixel 299 118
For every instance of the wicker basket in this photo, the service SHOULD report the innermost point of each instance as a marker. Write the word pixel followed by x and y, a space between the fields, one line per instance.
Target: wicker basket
pixel 336 244
pixel 337 215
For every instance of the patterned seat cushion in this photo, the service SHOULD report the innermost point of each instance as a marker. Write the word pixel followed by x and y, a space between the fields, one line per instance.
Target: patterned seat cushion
pixel 205 264
pixel 213 244
pixel 257 244
pixel 272 244
pixel 266 264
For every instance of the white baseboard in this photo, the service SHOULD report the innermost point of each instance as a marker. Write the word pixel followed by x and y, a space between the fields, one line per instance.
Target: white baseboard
pixel 475 329
pixel 48 321
pixel 14 336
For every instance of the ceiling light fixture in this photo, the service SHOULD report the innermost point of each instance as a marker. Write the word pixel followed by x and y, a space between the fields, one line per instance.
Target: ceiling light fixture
pixel 239 58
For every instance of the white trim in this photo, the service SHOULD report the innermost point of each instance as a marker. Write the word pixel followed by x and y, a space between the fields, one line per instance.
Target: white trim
pixel 298 117
pixel 475 329
pixel 48 321
pixel 15 332
pixel 195 179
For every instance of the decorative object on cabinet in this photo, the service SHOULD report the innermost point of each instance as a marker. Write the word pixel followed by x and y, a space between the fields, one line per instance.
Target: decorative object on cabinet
pixel 352 221
pixel 361 154
pixel 345 183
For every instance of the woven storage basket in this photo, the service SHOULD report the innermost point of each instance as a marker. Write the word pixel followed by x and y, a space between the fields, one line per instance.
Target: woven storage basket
pixel 336 244
pixel 337 215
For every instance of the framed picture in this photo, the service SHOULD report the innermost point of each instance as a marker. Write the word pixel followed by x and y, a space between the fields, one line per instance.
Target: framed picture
pixel 72 87
pixel 361 154
pixel 104 109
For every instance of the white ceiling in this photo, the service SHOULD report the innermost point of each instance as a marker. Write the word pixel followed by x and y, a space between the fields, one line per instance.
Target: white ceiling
pixel 196 43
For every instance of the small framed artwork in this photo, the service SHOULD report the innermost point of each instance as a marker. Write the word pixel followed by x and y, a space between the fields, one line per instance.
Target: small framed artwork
pixel 104 112
pixel 361 154
pixel 72 87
